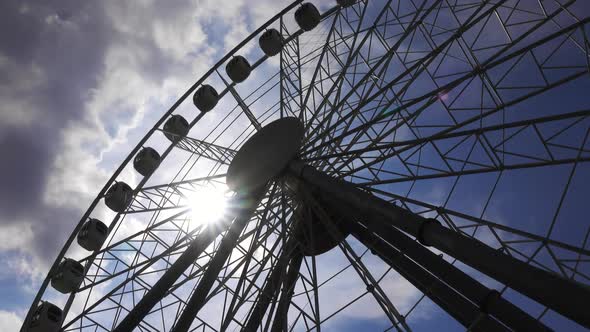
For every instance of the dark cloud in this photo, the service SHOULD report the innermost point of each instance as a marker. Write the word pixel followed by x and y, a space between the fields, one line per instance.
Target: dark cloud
pixel 53 57
pixel 19 33
pixel 69 56
pixel 22 171
pixel 51 230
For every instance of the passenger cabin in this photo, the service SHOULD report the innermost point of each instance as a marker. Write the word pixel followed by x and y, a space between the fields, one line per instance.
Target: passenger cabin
pixel 176 128
pixel 118 197
pixel 68 277
pixel 307 16
pixel 346 3
pixel 271 42
pixel 146 161
pixel 92 235
pixel 205 98
pixel 238 69
pixel 47 318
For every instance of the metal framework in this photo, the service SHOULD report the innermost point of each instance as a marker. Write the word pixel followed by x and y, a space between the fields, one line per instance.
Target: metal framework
pixel 445 160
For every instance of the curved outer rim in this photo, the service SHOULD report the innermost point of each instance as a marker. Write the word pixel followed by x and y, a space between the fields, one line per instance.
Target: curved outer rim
pixel 139 145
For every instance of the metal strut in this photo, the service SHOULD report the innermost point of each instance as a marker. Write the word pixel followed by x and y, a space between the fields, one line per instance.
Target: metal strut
pixel 280 319
pixel 272 286
pixel 242 205
pixel 199 297
pixel 566 297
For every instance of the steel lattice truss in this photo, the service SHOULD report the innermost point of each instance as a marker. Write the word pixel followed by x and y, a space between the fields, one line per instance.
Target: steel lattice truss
pixel 475 113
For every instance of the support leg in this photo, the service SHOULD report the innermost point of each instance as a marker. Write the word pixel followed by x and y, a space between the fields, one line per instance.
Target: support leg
pixel 280 320
pixel 199 297
pixel 243 206
pixel 564 296
pixel 271 288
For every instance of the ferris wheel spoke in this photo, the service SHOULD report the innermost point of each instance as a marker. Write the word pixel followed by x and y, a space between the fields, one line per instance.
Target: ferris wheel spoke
pixel 385 58
pixel 233 265
pixel 375 110
pixel 335 115
pixel 280 293
pixel 493 141
pixel 368 33
pixel 160 251
pixel 169 196
pixel 231 268
pixel 360 116
pixel 137 270
pixel 334 39
pixel 241 103
pixel 570 72
pixel 137 277
pixel 494 62
pixel 336 165
pixel 247 256
pixel 270 288
pixel 291 79
pixel 279 322
pixel 389 54
pixel 387 150
pixel 207 150
pixel 310 285
pixel 294 66
pixel 256 243
pixel 360 60
pixel 291 64
pixel 429 172
pixel 479 137
pixel 150 256
pixel 158 290
pixel 449 108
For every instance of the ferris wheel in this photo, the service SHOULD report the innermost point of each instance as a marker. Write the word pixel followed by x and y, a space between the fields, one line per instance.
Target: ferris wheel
pixel 385 161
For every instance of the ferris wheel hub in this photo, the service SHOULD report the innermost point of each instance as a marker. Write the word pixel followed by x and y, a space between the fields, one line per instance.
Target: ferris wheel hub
pixel 265 155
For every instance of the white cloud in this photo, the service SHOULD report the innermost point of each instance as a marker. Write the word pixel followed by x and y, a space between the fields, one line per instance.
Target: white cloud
pixel 16 110
pixel 125 88
pixel 10 321
pixel 8 240
pixel 18 259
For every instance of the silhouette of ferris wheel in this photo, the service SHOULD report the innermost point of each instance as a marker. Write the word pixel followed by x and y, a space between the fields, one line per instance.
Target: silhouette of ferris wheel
pixel 374 160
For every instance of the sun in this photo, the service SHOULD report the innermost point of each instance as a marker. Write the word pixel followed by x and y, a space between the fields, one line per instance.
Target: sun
pixel 207 203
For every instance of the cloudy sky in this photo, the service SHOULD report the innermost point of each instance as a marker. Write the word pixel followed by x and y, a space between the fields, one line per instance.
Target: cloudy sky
pixel 77 77
pixel 82 81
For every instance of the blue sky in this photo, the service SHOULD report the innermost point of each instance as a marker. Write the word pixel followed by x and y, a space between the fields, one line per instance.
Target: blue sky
pixel 83 81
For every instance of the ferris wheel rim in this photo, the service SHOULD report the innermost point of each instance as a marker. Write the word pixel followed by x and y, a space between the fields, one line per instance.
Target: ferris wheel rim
pixel 186 95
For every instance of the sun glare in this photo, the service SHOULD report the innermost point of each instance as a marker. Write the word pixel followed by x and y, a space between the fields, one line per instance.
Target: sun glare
pixel 207 203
